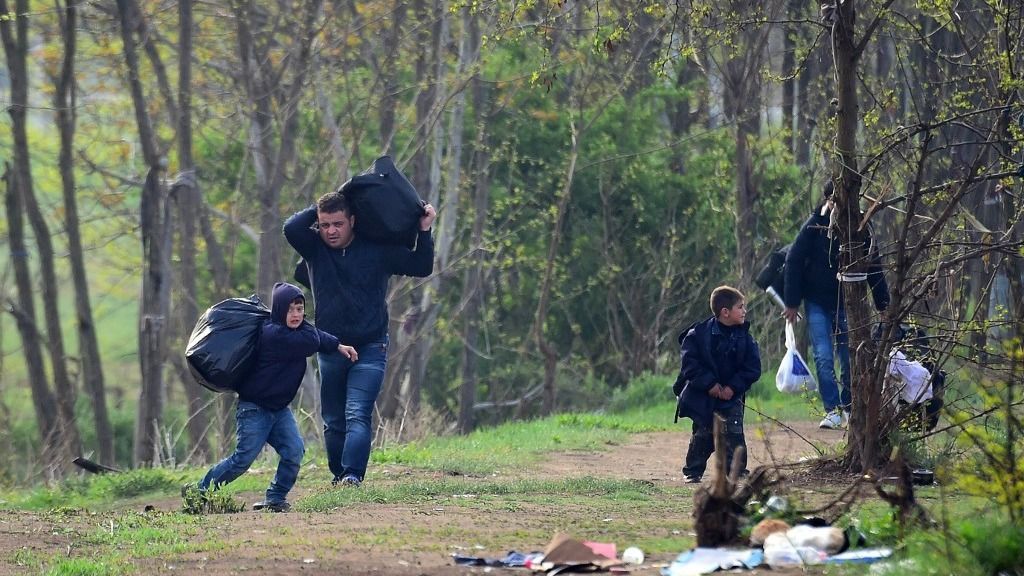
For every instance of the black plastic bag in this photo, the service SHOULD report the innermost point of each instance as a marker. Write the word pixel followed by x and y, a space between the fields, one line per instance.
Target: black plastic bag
pixel 773 273
pixel 385 204
pixel 223 345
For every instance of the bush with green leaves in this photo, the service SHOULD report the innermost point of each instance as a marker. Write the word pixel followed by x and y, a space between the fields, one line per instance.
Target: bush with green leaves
pixel 994 434
pixel 196 501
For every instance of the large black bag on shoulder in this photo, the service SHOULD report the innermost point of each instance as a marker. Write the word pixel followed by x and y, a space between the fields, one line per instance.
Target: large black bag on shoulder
pixel 772 274
pixel 222 348
pixel 386 206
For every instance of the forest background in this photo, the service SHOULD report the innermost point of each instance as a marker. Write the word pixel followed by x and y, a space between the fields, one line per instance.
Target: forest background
pixel 598 168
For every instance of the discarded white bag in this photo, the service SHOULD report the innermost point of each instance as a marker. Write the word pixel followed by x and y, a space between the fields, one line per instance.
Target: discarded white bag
pixel 793 376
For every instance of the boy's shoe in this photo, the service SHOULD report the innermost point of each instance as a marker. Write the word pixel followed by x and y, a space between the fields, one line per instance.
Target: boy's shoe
pixel 272 506
pixel 832 421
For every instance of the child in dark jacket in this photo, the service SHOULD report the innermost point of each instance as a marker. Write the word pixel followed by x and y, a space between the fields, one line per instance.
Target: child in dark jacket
pixel 263 415
pixel 719 361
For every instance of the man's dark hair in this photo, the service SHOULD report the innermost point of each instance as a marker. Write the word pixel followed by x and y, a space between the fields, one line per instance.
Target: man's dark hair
pixel 725 297
pixel 828 191
pixel 333 202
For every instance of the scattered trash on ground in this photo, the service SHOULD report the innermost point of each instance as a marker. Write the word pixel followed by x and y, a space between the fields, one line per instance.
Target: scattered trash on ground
pixel 861 556
pixel 708 560
pixel 633 555
pixel 511 560
pixel 562 555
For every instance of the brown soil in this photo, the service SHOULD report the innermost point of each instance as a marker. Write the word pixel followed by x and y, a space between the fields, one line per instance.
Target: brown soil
pixel 402 539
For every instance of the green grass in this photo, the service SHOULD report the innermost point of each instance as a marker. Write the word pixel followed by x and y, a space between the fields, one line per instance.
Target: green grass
pixel 513 445
pixel 120 541
pixel 469 493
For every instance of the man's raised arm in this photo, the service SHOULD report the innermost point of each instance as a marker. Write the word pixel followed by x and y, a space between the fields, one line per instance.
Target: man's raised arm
pixel 298 230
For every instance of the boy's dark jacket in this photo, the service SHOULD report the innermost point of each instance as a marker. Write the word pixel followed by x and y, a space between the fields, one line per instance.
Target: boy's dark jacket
pixel 700 369
pixel 281 358
pixel 350 284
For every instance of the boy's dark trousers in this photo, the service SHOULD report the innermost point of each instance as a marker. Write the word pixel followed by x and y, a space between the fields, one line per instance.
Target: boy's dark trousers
pixel 702 443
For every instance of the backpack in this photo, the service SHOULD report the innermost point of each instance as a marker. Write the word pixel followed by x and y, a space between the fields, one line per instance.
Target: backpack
pixel 222 348
pixel 385 204
pixel 773 273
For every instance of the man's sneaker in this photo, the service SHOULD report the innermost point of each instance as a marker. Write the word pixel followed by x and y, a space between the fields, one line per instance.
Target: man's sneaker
pixel 692 479
pixel 832 421
pixel 272 506
pixel 350 481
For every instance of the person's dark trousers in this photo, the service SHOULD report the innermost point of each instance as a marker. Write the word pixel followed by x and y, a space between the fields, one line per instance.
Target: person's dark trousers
pixel 702 443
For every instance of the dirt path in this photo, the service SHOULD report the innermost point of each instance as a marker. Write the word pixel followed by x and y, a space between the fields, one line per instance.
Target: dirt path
pixel 658 457
pixel 401 539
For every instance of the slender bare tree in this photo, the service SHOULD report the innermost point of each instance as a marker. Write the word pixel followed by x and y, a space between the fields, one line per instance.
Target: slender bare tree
pixel 88 345
pixel 65 431
pixel 155 228
pixel 273 85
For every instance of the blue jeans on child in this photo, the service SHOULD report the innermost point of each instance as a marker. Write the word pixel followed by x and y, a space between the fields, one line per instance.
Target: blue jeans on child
pixel 257 426
pixel 348 391
pixel 826 340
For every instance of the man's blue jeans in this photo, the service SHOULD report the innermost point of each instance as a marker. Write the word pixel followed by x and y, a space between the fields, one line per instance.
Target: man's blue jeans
pixel 829 334
pixel 257 426
pixel 347 393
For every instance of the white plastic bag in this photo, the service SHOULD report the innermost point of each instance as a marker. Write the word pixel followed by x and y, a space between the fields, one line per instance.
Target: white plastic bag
pixel 914 379
pixel 793 376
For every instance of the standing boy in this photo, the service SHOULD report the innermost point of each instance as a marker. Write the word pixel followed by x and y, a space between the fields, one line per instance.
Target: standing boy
pixel 719 362
pixel 263 415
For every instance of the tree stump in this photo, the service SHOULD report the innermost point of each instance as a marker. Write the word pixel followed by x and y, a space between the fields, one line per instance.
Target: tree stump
pixel 718 510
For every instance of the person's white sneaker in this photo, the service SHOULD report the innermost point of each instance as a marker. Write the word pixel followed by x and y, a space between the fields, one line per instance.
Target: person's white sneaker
pixel 831 421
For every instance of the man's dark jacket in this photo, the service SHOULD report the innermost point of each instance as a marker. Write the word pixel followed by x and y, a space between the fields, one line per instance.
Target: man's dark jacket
pixel 714 354
pixel 350 284
pixel 281 358
pixel 812 264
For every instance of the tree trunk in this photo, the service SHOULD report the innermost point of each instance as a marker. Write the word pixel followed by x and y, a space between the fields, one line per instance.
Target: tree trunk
pixel 789 85
pixel 546 348
pixel 431 103
pixel 741 98
pixel 186 193
pixel 64 435
pixel 389 101
pixel 473 291
pixel 155 231
pixel 24 313
pixel 88 345
pixel 273 101
pixel 865 442
pixel 65 391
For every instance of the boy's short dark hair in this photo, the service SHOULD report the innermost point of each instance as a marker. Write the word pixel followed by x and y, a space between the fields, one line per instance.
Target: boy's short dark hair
pixel 333 202
pixel 725 297
pixel 298 299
